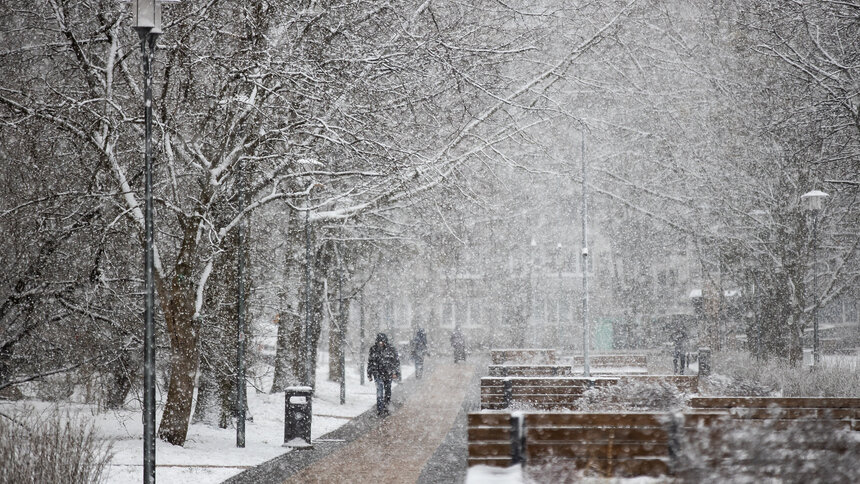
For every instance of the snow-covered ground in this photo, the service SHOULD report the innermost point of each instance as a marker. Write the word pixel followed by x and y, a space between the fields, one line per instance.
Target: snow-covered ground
pixel 482 474
pixel 210 454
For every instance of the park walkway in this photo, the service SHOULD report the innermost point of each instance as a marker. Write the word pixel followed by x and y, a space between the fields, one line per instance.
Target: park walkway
pixel 423 440
pixel 397 450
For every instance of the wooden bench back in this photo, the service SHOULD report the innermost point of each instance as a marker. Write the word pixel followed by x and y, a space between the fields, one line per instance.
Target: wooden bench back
pixel 609 443
pixel 529 370
pixel 535 392
pixel 523 356
pixel 560 393
pixel 617 360
pixel 643 443
pixel 837 412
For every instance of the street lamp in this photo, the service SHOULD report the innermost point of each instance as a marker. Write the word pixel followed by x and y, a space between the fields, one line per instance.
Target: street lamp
pixel 586 337
pixel 307 340
pixel 341 327
pixel 241 398
pixel 813 201
pixel 532 295
pixel 147 23
pixel 560 261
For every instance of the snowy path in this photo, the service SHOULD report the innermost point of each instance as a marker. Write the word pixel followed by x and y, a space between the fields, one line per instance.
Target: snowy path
pixel 394 450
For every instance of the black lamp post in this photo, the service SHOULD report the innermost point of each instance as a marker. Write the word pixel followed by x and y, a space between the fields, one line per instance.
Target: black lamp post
pixel 307 326
pixel 560 262
pixel 341 328
pixel 147 23
pixel 240 314
pixel 586 330
pixel 812 201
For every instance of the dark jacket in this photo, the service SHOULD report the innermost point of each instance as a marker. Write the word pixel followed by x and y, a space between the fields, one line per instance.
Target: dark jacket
pixel 419 345
pixel 384 363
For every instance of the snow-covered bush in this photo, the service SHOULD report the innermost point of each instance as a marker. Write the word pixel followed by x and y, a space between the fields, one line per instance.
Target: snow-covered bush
pixel 725 385
pixel 631 395
pixel 741 451
pixel 54 448
pixel 742 375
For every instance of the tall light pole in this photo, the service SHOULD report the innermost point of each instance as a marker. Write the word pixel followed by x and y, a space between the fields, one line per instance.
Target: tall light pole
pixel 361 337
pixel 307 325
pixel 147 23
pixel 341 328
pixel 532 295
pixel 812 201
pixel 240 316
pixel 586 333
pixel 560 262
pixel 307 340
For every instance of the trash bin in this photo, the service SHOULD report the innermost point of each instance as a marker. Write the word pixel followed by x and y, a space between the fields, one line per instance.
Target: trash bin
pixel 297 416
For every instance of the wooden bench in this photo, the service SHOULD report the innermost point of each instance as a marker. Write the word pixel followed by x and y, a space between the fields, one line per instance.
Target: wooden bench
pixel 653 443
pixel 613 360
pixel 802 439
pixel 560 393
pixel 529 370
pixel 536 393
pixel 834 412
pixel 523 356
pixel 611 444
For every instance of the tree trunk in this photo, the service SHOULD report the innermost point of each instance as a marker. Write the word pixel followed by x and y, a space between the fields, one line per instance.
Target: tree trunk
pixel 120 376
pixel 183 370
pixel 287 372
pixel 216 393
pixel 181 327
pixel 337 341
pixel 289 343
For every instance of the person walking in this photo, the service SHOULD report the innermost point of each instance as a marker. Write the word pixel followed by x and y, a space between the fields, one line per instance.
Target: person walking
pixel 458 343
pixel 383 365
pixel 419 349
pixel 679 349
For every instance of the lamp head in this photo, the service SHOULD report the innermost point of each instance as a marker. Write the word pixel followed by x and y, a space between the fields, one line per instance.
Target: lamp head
pixel 144 15
pixel 813 200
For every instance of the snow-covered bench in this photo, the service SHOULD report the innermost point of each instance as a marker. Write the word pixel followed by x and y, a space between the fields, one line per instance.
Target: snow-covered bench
pixel 529 370
pixel 611 444
pixel 831 411
pixel 548 393
pixel 523 356
pixel 613 360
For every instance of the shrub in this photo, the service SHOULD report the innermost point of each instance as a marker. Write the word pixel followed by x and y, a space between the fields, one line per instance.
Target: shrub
pixel 771 450
pixel 739 374
pixel 631 396
pixel 54 448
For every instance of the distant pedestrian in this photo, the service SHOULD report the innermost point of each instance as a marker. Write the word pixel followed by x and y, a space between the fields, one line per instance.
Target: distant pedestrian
pixel 383 365
pixel 419 349
pixel 458 344
pixel 679 349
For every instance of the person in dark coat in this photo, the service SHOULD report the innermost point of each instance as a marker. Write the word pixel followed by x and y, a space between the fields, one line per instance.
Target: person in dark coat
pixel 419 349
pixel 383 365
pixel 458 343
pixel 679 350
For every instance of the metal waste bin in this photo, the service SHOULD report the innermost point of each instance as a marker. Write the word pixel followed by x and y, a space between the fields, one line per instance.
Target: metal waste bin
pixel 297 416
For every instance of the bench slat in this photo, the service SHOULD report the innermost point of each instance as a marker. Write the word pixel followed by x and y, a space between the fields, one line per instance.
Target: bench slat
pixel 596 450
pixel 489 419
pixel 534 420
pixel 489 449
pixel 489 461
pixel 489 433
pixel 591 434
pixel 782 402
pixel 548 381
